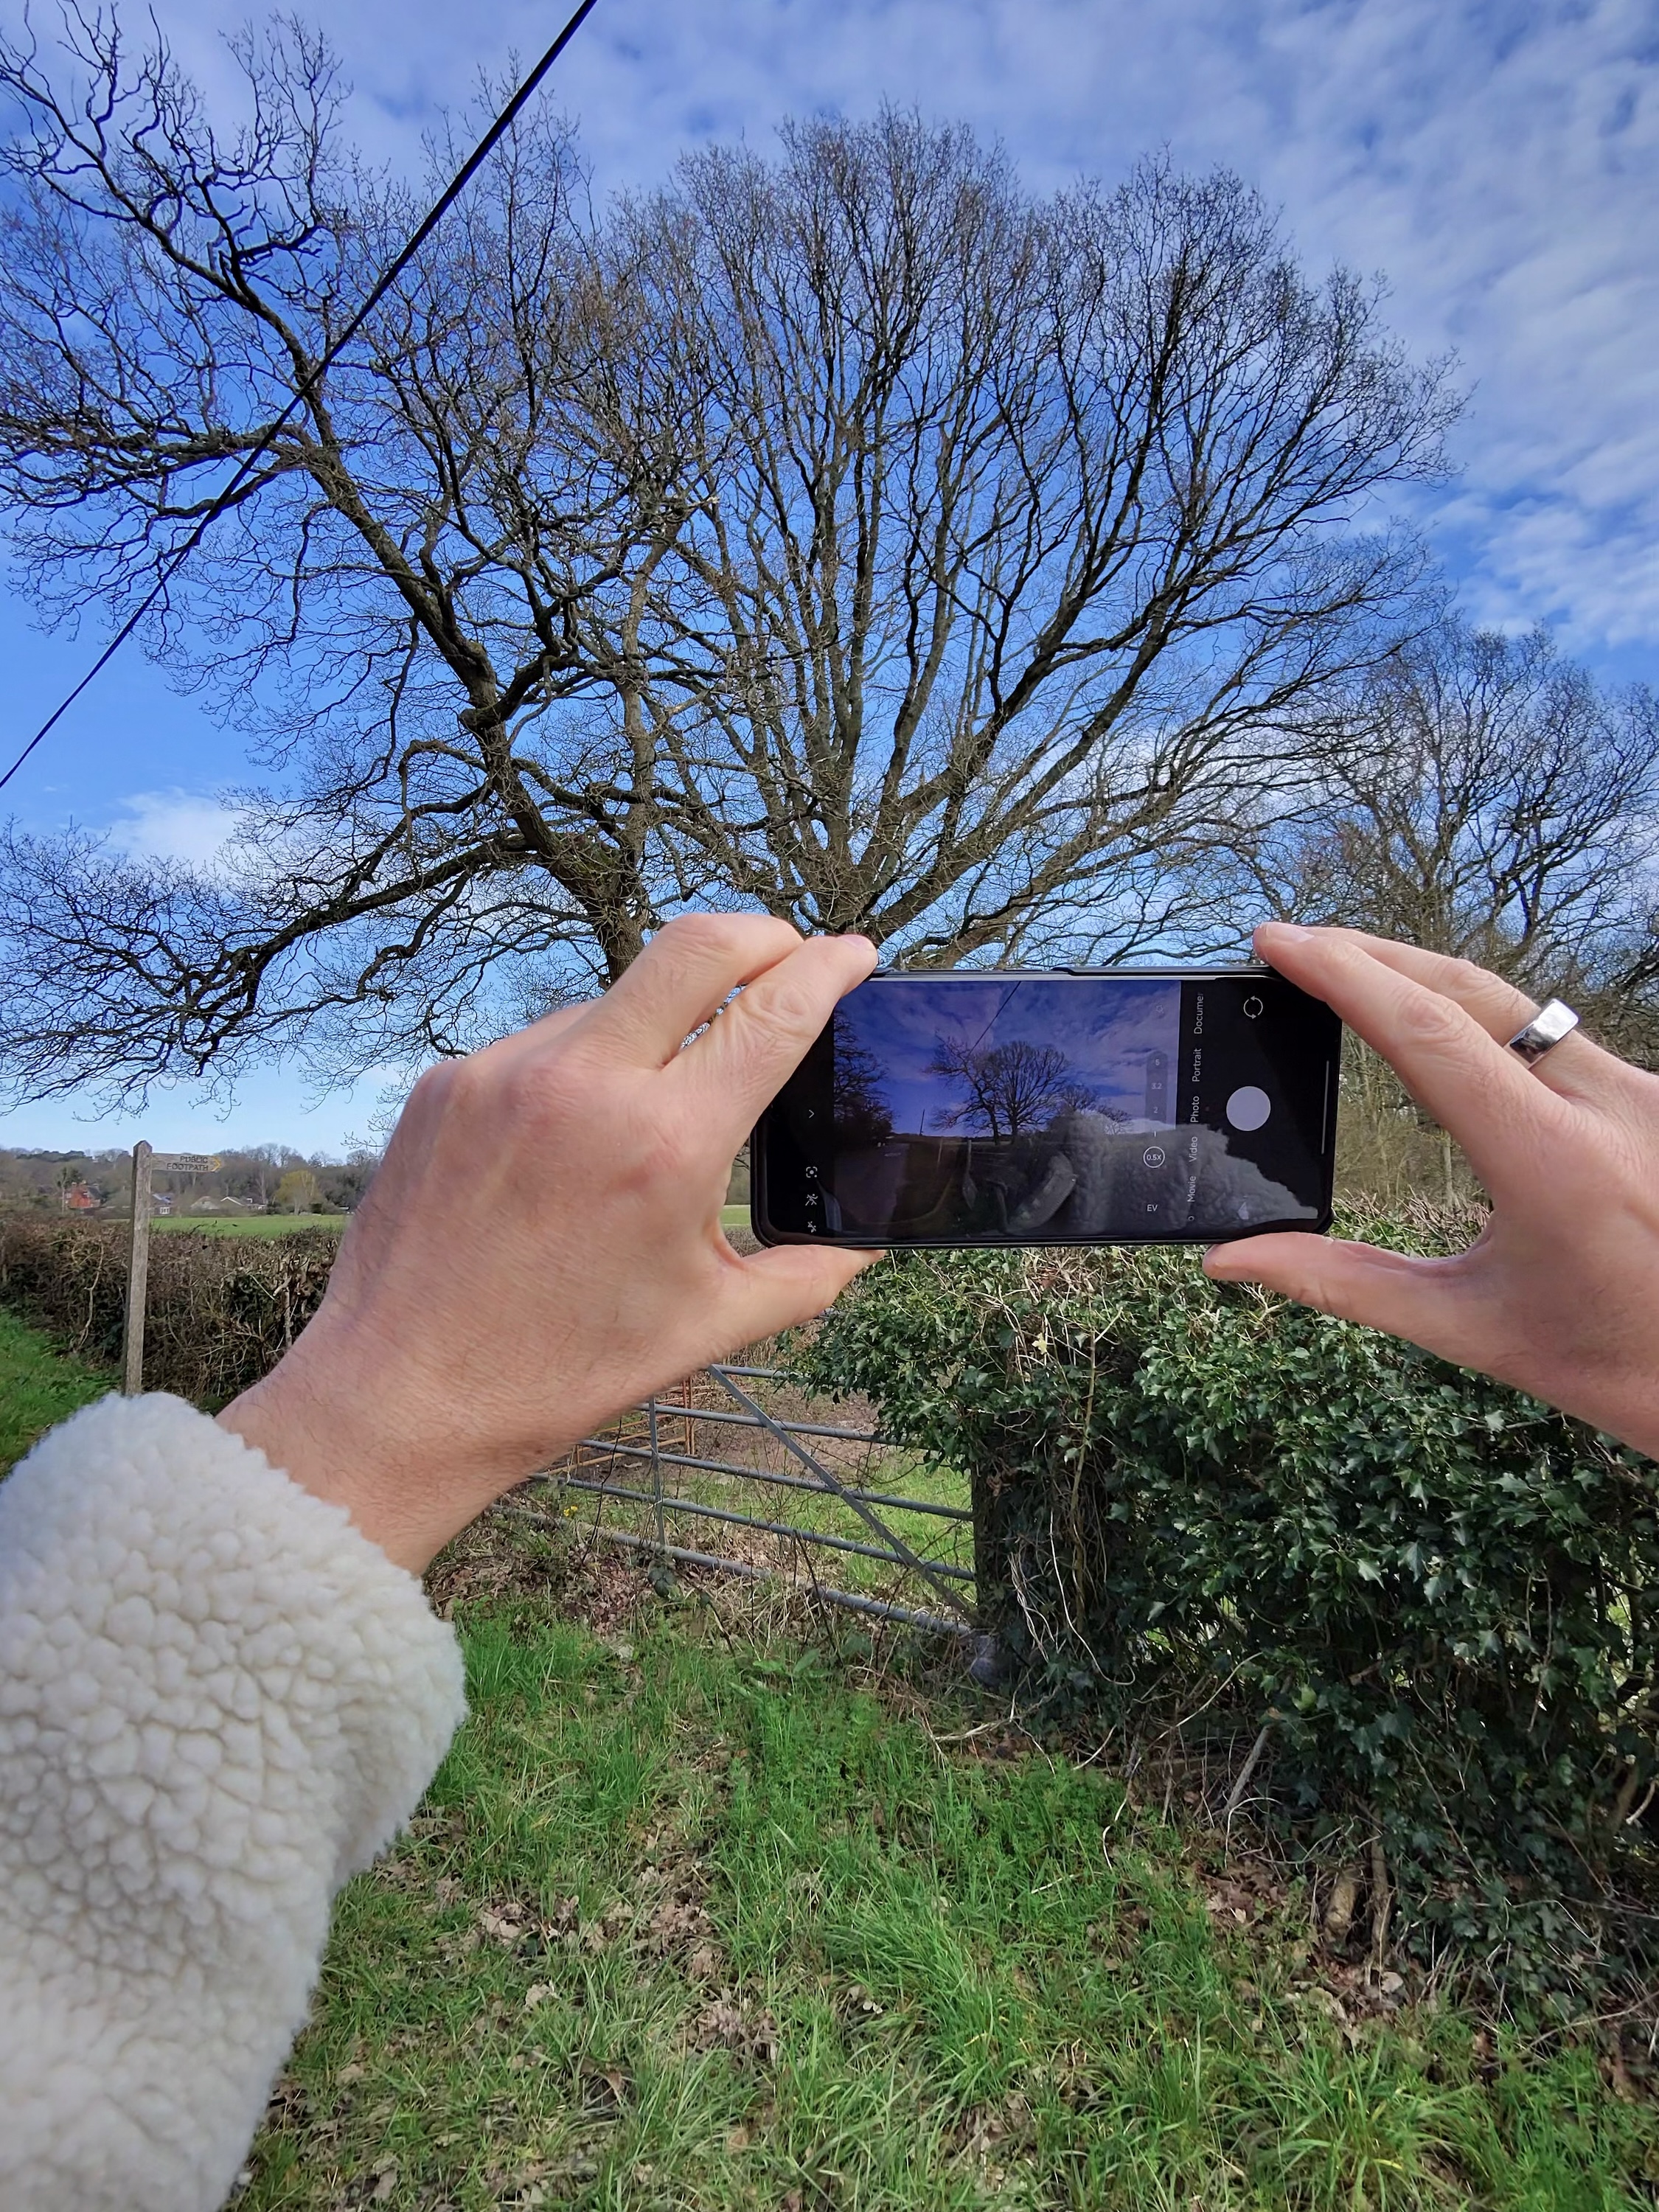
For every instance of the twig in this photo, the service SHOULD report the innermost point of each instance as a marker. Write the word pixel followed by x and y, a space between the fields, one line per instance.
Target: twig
pixel 1381 1906
pixel 1236 1795
pixel 966 1735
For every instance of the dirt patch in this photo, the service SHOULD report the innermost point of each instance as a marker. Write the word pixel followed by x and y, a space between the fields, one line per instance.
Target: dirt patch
pixel 504 1554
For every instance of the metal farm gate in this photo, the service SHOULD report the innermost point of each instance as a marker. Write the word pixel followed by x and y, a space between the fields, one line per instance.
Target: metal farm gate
pixel 697 1457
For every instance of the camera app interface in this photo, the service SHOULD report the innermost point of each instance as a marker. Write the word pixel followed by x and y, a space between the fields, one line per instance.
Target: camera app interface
pixel 1054 1107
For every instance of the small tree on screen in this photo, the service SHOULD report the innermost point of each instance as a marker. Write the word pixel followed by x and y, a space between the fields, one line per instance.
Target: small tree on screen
pixel 863 1115
pixel 1007 1089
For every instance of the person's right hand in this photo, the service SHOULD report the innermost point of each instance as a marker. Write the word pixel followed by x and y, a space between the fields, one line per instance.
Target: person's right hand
pixel 1560 1295
pixel 542 1246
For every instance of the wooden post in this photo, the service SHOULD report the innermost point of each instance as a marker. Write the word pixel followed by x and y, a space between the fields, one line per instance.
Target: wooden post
pixel 133 1350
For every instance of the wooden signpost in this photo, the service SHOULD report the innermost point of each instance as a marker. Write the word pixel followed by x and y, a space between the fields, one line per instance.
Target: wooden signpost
pixel 145 1161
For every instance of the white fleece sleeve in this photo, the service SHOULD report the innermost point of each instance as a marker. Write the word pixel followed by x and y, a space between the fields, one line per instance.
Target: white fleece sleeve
pixel 218 1700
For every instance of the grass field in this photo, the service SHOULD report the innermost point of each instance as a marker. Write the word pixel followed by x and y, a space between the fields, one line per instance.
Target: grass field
pixel 715 1906
pixel 38 1387
pixel 246 1224
pixel 691 1920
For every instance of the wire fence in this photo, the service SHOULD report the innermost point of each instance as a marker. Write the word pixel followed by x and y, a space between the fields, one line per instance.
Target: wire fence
pixel 738 1458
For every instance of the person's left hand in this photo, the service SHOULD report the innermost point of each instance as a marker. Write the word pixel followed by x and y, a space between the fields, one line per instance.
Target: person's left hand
pixel 542 1246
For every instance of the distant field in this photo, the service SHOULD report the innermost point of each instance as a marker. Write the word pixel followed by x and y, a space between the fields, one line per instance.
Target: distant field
pixel 285 1225
pixel 248 1225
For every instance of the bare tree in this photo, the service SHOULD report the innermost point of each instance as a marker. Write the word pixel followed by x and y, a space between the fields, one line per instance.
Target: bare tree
pixel 412 603
pixel 1007 1089
pixel 1010 533
pixel 1479 795
pixel 864 1114
pixel 852 535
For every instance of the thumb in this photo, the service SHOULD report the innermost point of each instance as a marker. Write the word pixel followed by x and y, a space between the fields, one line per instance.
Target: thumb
pixel 790 1283
pixel 1403 1292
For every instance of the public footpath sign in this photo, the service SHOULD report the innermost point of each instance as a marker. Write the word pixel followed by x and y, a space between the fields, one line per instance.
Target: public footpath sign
pixel 145 1161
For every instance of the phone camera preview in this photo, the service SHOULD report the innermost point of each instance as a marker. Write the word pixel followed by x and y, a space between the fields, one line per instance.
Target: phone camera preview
pixel 984 1108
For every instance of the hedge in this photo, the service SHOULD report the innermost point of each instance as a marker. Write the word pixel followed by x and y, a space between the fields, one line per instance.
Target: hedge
pixel 1437 1599
pixel 221 1312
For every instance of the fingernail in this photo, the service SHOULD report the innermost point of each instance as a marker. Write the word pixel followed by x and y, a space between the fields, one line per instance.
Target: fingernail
pixel 1292 929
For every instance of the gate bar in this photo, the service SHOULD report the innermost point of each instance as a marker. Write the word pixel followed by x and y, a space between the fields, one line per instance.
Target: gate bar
pixel 750 1521
pixel 877 1608
pixel 765 1474
pixel 897 1548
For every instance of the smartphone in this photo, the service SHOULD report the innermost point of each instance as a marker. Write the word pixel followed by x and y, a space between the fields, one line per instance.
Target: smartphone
pixel 1000 1106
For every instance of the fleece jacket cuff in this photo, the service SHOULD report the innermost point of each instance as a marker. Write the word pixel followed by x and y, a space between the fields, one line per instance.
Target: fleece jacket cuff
pixel 218 1700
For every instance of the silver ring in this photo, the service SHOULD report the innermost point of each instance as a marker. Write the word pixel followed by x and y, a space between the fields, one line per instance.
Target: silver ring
pixel 1544 1032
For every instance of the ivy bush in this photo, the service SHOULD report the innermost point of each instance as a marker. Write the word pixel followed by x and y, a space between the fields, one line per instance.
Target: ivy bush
pixel 1439 1598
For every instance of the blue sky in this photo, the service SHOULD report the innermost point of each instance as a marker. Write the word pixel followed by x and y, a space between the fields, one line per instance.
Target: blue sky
pixel 1498 162
pixel 1106 1042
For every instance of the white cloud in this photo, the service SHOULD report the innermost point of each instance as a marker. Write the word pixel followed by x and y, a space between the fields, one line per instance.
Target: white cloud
pixel 1499 163
pixel 1498 159
pixel 173 826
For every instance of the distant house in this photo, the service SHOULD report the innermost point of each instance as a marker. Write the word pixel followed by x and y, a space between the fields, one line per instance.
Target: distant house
pixel 79 1199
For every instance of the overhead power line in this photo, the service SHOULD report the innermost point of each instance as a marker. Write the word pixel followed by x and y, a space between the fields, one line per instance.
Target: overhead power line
pixel 440 206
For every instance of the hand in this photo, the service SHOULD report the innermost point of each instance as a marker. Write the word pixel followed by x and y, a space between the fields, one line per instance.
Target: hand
pixel 542 1246
pixel 1559 1294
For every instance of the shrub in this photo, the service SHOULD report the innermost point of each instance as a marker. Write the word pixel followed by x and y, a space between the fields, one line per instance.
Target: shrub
pixel 1439 1598
pixel 221 1312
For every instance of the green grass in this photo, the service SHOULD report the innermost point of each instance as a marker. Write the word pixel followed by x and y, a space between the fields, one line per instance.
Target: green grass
pixel 734 1216
pixel 247 1225
pixel 700 1924
pixel 692 1924
pixel 38 1387
pixel 899 1474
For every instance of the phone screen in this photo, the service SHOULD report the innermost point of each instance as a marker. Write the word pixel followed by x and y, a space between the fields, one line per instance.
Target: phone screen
pixel 998 1108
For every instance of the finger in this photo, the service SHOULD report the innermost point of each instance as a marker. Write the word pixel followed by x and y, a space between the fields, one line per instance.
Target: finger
pixel 778 1289
pixel 1421 1300
pixel 1576 1066
pixel 1485 1094
pixel 763 1035
pixel 686 974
